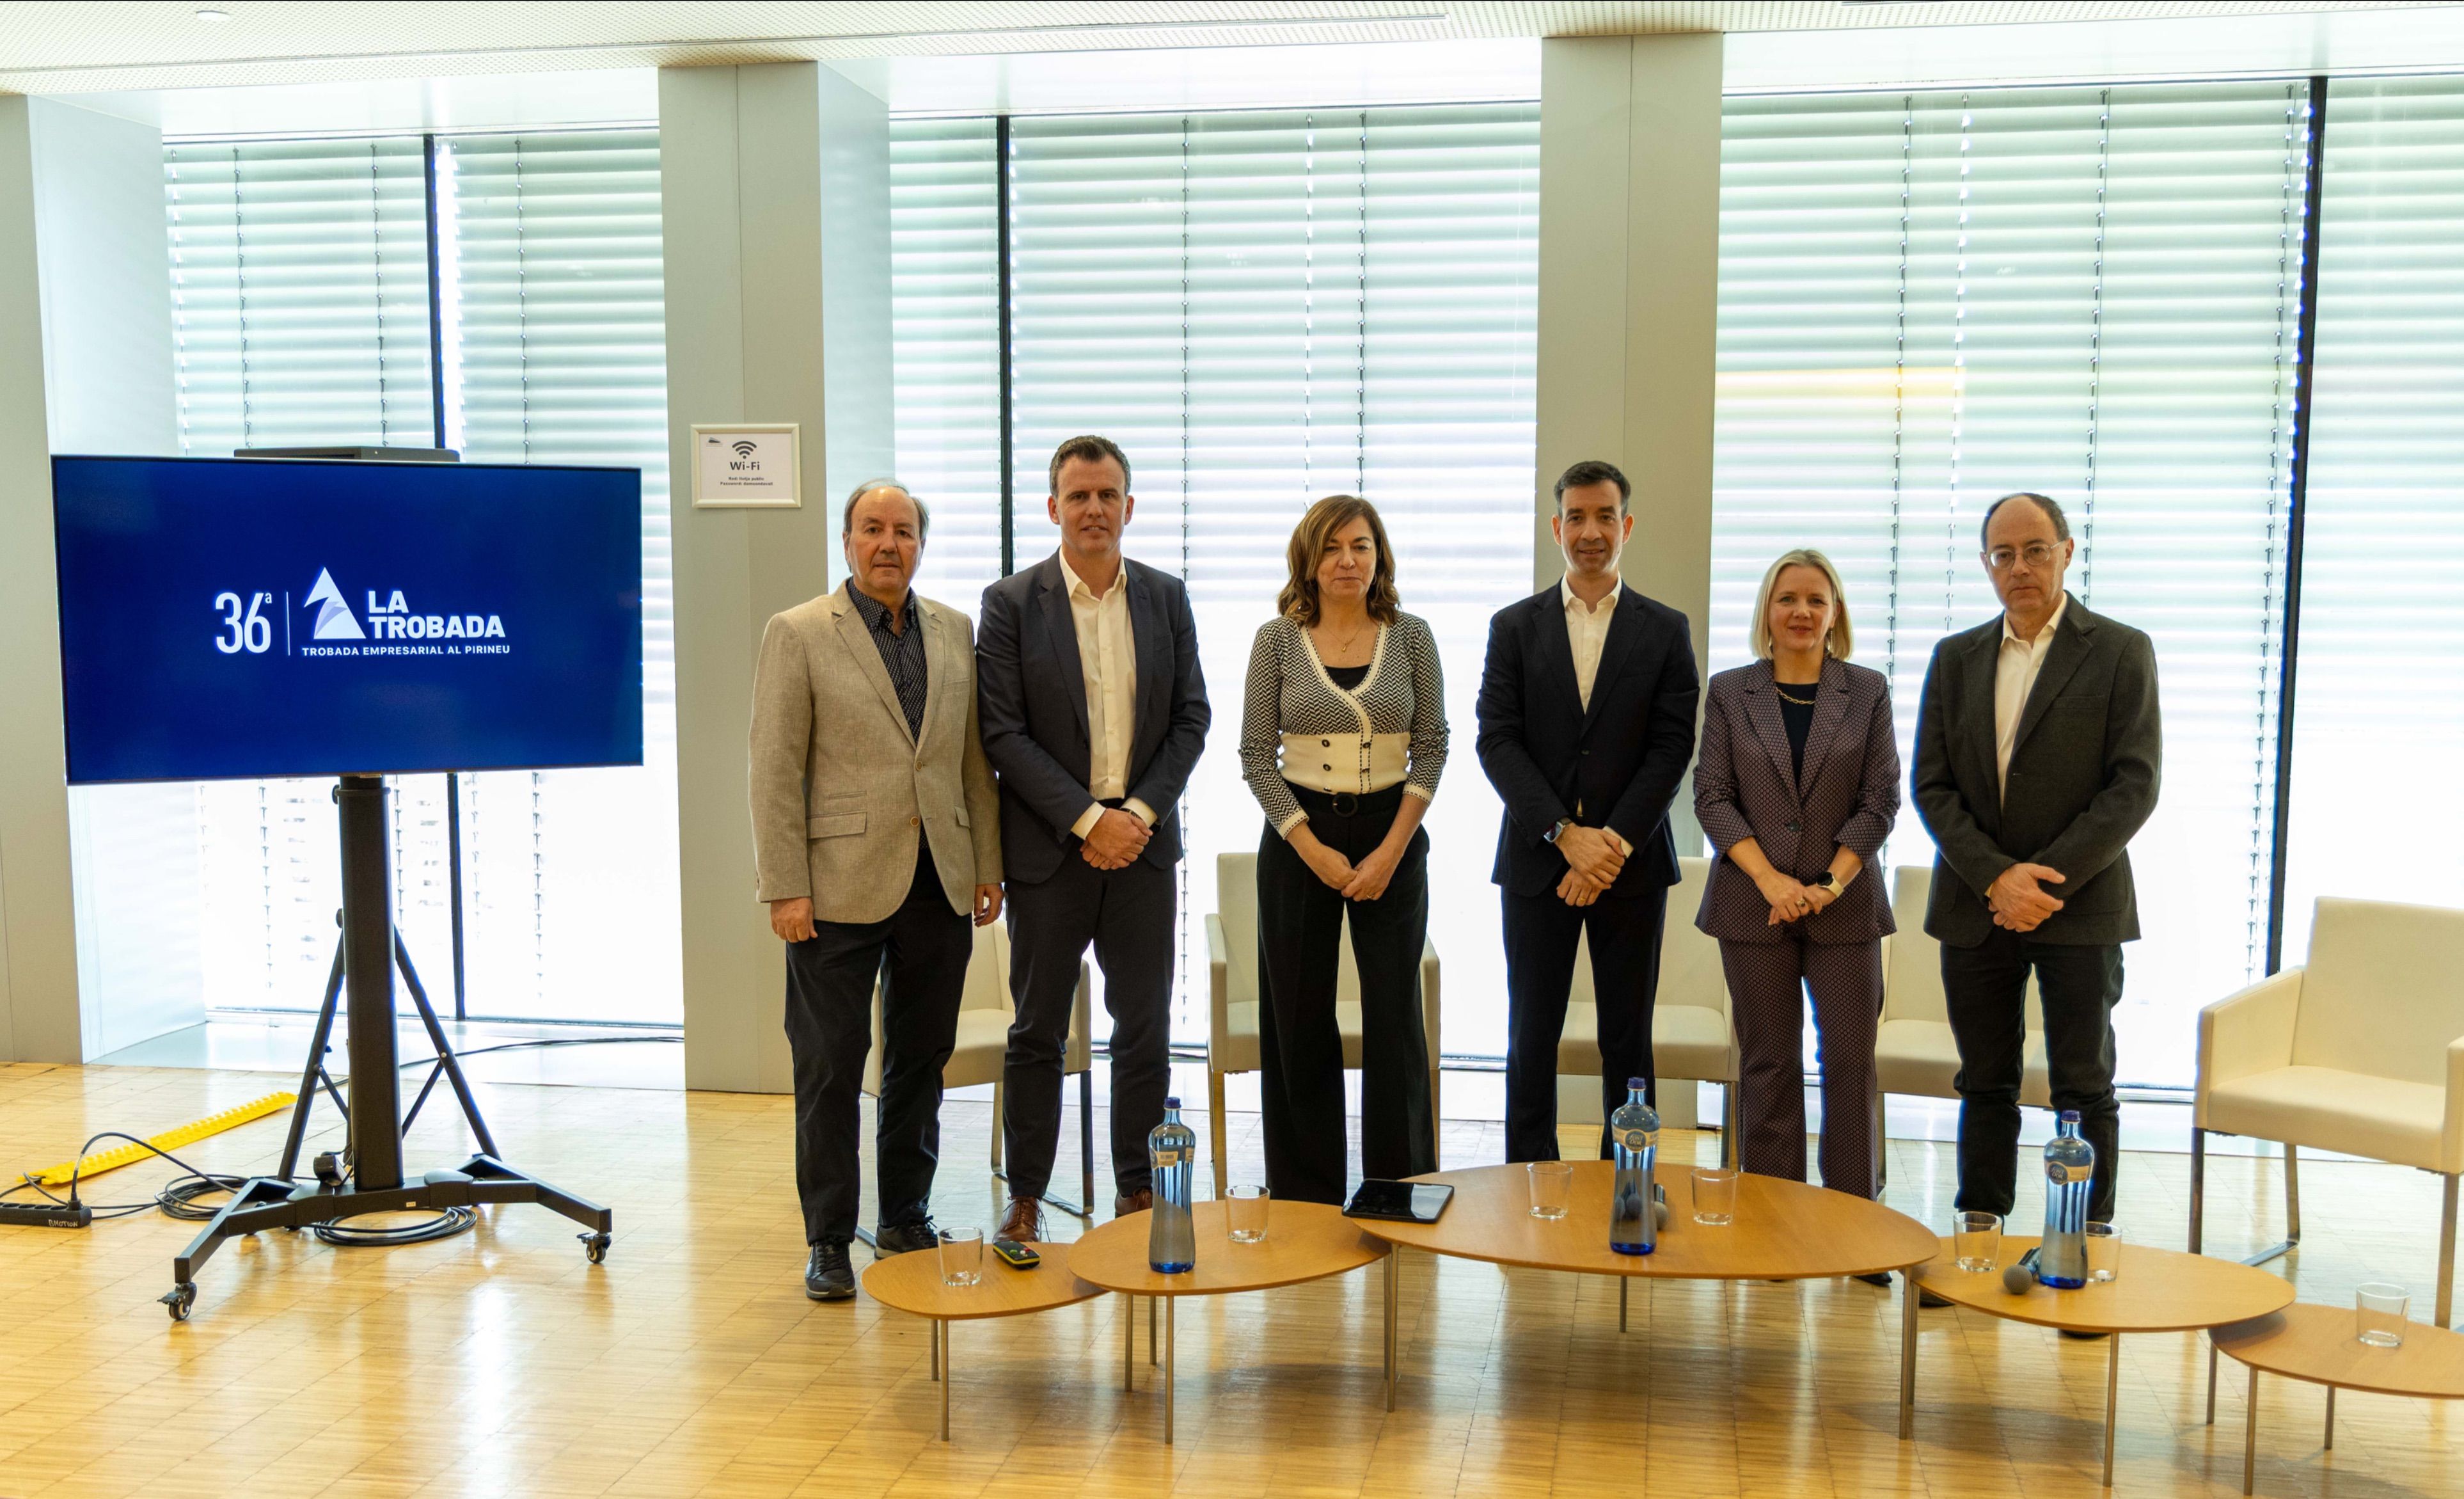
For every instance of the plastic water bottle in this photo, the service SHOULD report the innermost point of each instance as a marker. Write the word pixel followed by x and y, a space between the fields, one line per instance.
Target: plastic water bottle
pixel 2070 1166
pixel 1634 1228
pixel 1172 1153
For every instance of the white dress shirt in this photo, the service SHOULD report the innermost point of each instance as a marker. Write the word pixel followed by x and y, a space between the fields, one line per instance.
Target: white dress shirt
pixel 2015 677
pixel 1587 631
pixel 1107 659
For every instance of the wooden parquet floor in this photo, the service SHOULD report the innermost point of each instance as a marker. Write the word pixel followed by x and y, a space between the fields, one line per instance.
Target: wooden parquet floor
pixel 690 1363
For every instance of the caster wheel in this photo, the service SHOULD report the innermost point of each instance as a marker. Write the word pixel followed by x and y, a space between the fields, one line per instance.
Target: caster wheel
pixel 180 1299
pixel 594 1246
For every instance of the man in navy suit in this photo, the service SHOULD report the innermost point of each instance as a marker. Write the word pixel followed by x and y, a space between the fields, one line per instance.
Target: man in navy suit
pixel 1586 727
pixel 1093 713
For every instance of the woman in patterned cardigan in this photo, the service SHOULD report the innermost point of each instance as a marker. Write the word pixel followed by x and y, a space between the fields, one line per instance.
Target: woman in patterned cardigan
pixel 1342 741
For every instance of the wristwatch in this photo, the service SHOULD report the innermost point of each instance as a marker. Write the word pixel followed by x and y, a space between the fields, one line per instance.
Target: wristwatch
pixel 1552 836
pixel 1821 881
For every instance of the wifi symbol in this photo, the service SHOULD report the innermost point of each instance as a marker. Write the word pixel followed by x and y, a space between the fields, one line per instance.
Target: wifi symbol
pixel 745 448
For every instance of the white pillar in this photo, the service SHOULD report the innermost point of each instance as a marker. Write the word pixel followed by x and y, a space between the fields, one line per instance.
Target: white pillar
pixel 85 366
pixel 1629 302
pixel 775 181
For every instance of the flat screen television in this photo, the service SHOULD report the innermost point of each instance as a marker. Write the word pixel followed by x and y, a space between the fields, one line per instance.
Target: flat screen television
pixel 271 617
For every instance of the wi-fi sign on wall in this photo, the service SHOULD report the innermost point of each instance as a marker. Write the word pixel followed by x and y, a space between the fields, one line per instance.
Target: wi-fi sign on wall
pixel 745 447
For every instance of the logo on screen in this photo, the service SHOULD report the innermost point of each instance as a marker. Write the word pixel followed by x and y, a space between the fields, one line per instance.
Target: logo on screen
pixel 334 621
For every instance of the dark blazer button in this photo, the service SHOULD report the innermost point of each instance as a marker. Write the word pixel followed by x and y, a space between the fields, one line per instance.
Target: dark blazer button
pixel 1795 828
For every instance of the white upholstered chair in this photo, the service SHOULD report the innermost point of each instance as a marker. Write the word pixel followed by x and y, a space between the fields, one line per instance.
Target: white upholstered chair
pixel 2360 1050
pixel 1232 996
pixel 1693 1037
pixel 1913 1048
pixel 984 1015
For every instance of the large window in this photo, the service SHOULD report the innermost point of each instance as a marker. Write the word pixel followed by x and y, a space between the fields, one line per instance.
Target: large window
pixel 1928 300
pixel 1261 308
pixel 2378 694
pixel 302 308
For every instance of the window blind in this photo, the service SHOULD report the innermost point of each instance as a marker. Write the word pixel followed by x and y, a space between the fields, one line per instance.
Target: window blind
pixel 945 288
pixel 2377 717
pixel 299 286
pixel 1929 300
pixel 1264 308
pixel 555 352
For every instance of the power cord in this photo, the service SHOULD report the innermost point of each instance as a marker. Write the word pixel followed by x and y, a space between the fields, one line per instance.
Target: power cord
pixel 180 1197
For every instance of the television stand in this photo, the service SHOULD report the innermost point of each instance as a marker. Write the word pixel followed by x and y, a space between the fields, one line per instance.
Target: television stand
pixel 369 1179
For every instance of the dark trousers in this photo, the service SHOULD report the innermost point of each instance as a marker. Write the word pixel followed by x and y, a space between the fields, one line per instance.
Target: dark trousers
pixel 830 975
pixel 1541 932
pixel 1127 915
pixel 1767 988
pixel 1985 989
pixel 1300 925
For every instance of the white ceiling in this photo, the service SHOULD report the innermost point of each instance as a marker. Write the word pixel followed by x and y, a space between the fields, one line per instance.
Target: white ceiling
pixel 54 47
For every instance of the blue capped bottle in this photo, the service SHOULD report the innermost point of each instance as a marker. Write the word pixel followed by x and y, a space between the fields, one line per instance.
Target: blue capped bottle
pixel 1633 1130
pixel 1172 1154
pixel 2069 1166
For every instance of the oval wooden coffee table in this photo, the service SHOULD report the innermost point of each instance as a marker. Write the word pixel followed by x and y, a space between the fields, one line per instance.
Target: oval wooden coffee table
pixel 912 1283
pixel 2316 1344
pixel 2155 1290
pixel 1304 1241
pixel 1782 1230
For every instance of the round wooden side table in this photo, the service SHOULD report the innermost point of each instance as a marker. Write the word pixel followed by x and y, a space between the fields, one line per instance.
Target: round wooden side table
pixel 2318 1345
pixel 1304 1241
pixel 2155 1290
pixel 912 1283
pixel 1781 1230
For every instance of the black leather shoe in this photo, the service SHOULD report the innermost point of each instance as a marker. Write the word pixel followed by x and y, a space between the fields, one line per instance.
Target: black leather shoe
pixel 1927 1301
pixel 2084 1337
pixel 905 1239
pixel 827 1274
pixel 1882 1278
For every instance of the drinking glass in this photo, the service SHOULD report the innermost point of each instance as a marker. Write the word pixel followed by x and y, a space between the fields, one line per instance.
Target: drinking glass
pixel 1553 1185
pixel 963 1256
pixel 1715 1196
pixel 1977 1237
pixel 2380 1310
pixel 1245 1211
pixel 2103 1252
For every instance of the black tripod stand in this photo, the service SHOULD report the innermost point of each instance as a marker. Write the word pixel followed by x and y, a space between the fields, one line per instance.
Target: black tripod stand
pixel 371 1178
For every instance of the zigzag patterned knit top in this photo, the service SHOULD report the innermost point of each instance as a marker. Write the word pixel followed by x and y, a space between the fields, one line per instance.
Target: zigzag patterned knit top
pixel 1299 728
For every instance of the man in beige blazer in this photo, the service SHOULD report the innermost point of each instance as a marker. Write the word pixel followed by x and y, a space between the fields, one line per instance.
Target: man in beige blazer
pixel 876 832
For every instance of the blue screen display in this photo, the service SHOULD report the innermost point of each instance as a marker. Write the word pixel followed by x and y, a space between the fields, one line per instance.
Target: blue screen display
pixel 246 617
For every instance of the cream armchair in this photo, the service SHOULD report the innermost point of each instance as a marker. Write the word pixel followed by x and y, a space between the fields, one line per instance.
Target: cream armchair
pixel 1913 1048
pixel 1232 996
pixel 2361 1050
pixel 1693 1037
pixel 984 1015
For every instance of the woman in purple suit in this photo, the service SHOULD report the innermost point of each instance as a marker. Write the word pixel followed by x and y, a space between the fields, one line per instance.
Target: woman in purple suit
pixel 1797 787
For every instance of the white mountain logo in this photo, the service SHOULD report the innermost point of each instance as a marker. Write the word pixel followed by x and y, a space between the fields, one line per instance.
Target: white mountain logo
pixel 334 619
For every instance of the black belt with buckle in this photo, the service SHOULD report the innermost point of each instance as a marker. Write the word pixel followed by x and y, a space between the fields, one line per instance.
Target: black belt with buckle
pixel 1343 803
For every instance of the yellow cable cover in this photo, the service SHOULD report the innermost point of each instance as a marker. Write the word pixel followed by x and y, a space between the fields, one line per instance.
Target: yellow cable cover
pixel 101 1161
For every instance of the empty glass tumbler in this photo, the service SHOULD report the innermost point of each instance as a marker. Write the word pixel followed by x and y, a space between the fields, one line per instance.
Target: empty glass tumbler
pixel 1552 1187
pixel 2379 1314
pixel 2103 1252
pixel 1245 1214
pixel 963 1256
pixel 1976 1239
pixel 1715 1196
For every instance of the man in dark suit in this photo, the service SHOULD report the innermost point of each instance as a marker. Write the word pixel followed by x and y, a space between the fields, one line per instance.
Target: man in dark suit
pixel 2039 748
pixel 1093 713
pixel 1586 725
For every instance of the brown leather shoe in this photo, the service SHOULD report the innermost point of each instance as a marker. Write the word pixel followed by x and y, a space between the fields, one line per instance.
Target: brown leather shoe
pixel 1137 1202
pixel 1025 1222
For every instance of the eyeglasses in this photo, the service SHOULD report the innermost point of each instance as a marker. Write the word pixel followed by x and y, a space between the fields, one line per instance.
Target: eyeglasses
pixel 2036 554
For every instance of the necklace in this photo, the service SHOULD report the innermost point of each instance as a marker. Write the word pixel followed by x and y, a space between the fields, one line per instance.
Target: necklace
pixel 1344 646
pixel 1782 690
